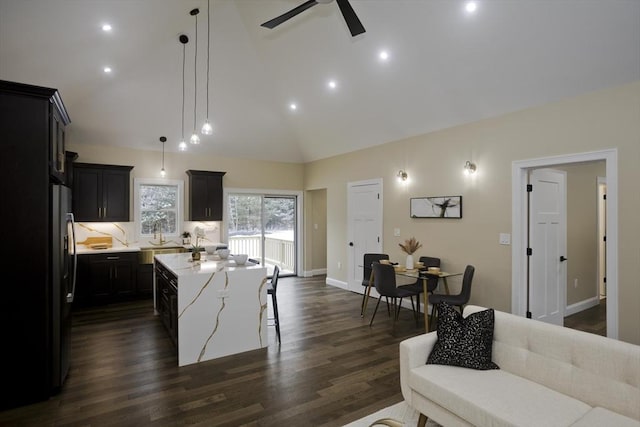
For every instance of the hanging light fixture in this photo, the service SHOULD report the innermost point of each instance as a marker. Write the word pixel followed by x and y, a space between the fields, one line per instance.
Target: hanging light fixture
pixel 206 127
pixel 184 40
pixel 163 173
pixel 195 139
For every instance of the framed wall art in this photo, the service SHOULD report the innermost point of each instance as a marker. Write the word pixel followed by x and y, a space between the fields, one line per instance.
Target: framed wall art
pixel 436 207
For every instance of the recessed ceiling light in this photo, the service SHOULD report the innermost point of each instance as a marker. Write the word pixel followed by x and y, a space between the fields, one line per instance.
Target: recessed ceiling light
pixel 383 55
pixel 106 28
pixel 293 106
pixel 107 70
pixel 471 6
pixel 332 84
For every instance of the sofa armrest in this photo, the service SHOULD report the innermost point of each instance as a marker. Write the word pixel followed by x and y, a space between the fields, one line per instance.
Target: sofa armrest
pixel 413 353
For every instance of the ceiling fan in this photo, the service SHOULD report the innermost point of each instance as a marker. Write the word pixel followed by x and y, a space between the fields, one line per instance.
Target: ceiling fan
pixel 350 17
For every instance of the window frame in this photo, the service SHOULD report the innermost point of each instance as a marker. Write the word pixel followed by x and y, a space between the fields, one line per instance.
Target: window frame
pixel 138 182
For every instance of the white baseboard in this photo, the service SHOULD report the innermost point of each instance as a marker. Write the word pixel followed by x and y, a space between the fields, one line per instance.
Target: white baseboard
pixel 581 306
pixel 337 283
pixel 316 272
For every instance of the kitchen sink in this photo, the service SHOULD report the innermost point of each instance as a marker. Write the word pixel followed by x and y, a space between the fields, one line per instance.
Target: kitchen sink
pixel 146 254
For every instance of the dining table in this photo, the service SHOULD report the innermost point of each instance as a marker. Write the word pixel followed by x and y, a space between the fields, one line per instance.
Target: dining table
pixel 422 274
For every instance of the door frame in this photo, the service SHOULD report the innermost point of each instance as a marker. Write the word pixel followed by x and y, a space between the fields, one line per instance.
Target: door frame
pixel 519 171
pixel 602 233
pixel 266 193
pixel 352 263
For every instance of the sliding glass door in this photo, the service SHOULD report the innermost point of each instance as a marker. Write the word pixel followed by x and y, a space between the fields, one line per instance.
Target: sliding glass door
pixel 264 227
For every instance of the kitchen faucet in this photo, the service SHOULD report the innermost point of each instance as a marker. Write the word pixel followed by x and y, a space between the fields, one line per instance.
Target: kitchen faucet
pixel 157 229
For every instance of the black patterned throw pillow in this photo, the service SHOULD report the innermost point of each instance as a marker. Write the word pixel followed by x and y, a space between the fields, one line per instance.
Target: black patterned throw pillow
pixel 464 342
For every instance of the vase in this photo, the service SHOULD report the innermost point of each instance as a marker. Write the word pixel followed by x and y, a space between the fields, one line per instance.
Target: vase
pixel 195 255
pixel 409 263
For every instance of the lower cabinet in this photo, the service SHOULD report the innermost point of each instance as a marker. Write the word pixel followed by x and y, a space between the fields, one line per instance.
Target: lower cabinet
pixel 167 300
pixel 145 280
pixel 106 278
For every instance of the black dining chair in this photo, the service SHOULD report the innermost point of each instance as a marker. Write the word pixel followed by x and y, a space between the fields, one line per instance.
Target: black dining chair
pixel 432 280
pixel 272 287
pixel 456 300
pixel 384 280
pixel 366 275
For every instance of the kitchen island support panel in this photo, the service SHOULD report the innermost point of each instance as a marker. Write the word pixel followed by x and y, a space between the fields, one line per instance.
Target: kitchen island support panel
pixel 222 308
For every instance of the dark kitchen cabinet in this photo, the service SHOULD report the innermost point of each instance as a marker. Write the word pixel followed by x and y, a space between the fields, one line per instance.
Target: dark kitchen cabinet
pixel 167 300
pixel 34 312
pixel 101 192
pixel 205 195
pixel 106 278
pixel 145 280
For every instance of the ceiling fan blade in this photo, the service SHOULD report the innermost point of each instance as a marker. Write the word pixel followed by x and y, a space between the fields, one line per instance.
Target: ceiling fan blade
pixel 350 17
pixel 288 15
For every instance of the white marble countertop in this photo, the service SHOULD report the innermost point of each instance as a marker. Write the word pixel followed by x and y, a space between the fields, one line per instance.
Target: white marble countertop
pixel 82 249
pixel 182 264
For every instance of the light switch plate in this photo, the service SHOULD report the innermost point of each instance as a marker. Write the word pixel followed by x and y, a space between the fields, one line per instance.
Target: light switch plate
pixel 505 238
pixel 396 232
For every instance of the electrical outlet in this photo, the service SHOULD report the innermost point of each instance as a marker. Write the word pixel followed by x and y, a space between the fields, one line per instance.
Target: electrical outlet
pixel 505 238
pixel 575 282
pixel 396 232
pixel 339 265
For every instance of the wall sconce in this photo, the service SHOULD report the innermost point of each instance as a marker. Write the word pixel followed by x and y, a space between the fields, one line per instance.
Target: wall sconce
pixel 402 175
pixel 469 168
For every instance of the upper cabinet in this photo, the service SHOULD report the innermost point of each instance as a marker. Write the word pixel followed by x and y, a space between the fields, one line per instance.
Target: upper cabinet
pixel 32 129
pixel 205 195
pixel 101 192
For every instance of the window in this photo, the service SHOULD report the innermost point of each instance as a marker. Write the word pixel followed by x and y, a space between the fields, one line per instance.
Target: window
pixel 158 207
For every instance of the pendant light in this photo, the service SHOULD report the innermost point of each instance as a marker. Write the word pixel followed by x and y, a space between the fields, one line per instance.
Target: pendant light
pixel 163 173
pixel 195 139
pixel 206 127
pixel 184 40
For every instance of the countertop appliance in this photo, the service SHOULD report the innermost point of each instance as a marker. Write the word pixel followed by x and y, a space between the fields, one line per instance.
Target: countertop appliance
pixel 38 273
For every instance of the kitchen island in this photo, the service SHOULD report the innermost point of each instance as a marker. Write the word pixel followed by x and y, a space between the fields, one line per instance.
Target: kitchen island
pixel 211 308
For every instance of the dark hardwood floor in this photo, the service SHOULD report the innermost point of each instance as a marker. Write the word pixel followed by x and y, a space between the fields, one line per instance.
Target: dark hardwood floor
pixel 592 320
pixel 330 369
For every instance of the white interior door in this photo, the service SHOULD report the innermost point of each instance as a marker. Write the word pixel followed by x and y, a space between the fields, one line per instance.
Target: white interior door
pixel 364 226
pixel 548 241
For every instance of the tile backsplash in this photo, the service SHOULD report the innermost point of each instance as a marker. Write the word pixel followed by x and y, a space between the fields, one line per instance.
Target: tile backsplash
pixel 124 233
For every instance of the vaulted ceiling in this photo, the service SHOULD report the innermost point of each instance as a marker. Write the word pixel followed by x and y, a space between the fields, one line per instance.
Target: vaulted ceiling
pixel 445 67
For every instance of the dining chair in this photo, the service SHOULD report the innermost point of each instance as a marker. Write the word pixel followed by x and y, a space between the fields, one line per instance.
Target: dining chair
pixel 384 280
pixel 456 300
pixel 369 259
pixel 272 287
pixel 432 280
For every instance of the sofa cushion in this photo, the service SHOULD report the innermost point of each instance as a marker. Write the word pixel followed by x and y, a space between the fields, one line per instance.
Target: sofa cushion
pixel 464 342
pixel 495 397
pixel 599 371
pixel 598 417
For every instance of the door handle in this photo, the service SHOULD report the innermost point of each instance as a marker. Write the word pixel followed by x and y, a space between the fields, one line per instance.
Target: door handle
pixel 350 243
pixel 562 258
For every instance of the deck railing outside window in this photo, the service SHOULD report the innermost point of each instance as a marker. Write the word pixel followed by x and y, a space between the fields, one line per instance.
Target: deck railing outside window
pixel 279 250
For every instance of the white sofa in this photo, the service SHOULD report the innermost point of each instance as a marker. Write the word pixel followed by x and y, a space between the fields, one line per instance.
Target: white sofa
pixel 548 376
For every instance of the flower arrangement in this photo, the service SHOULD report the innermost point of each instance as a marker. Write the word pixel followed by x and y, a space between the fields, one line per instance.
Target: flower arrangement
pixel 200 235
pixel 410 246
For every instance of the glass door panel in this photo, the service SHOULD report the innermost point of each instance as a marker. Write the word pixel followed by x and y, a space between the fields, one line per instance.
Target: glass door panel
pixel 264 227
pixel 280 233
pixel 244 225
